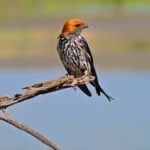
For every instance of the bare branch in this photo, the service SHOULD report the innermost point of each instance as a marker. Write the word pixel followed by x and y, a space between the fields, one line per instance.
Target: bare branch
pixel 35 90
pixel 43 88
pixel 7 118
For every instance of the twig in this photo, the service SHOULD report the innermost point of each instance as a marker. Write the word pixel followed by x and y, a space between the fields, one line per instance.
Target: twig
pixel 43 88
pixel 35 90
pixel 7 118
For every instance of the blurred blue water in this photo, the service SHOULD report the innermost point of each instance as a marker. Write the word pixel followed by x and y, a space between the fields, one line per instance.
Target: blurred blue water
pixel 77 122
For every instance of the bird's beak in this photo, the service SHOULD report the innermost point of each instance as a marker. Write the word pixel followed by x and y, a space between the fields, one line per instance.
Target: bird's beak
pixel 85 26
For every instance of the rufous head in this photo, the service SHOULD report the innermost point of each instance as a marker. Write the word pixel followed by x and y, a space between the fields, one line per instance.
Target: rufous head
pixel 73 25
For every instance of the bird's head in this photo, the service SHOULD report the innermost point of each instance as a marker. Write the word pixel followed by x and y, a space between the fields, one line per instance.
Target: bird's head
pixel 73 26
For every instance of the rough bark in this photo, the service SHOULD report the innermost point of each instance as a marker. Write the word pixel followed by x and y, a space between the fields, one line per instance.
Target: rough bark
pixel 33 91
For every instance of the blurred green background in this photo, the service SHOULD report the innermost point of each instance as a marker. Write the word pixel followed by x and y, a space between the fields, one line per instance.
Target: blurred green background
pixel 119 33
pixel 119 38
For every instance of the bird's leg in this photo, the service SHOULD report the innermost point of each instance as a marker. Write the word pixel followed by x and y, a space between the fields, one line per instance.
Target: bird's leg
pixel 74 87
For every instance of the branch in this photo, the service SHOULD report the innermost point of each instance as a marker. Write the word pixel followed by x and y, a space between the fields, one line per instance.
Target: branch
pixel 43 88
pixel 35 90
pixel 7 118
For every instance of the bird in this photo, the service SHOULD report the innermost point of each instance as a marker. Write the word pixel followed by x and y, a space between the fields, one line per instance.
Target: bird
pixel 76 55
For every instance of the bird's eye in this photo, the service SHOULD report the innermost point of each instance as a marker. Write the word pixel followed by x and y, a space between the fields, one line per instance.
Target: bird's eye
pixel 77 25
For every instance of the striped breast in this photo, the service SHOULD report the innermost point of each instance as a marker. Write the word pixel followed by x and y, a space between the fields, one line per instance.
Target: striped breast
pixel 73 54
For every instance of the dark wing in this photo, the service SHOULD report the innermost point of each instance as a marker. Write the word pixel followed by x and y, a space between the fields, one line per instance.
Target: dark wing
pixel 85 89
pixel 89 58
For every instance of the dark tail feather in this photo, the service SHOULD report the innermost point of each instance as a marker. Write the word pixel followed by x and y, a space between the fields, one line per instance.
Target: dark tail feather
pixel 99 89
pixel 97 86
pixel 85 89
pixel 108 97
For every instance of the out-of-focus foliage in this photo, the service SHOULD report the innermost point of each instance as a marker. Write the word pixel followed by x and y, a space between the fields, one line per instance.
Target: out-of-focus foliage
pixel 119 29
pixel 29 8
